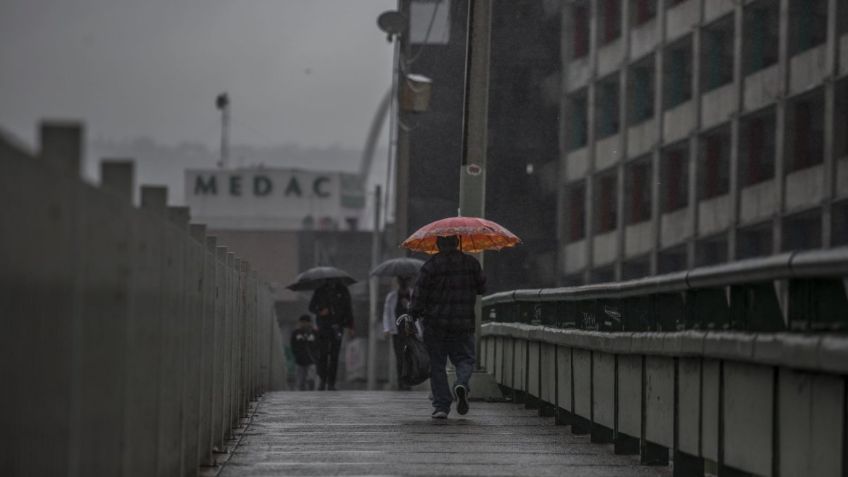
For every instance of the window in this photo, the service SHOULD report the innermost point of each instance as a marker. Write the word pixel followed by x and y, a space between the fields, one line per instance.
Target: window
pixel 638 190
pixel 674 177
pixel 641 91
pixel 717 54
pixel 802 231
pixel 609 20
pixel 580 29
pixel 754 241
pixel 711 251
pixel 576 211
pixel 807 24
pixel 840 123
pixel 839 224
pixel 602 275
pixel 606 201
pixel 677 73
pixel 757 148
pixel 672 260
pixel 805 131
pixel 762 38
pixel 642 11
pixel 636 268
pixel 577 128
pixel 606 100
pixel 714 162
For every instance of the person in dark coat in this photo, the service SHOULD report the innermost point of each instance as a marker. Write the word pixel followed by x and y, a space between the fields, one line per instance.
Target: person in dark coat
pixel 444 299
pixel 331 305
pixel 304 343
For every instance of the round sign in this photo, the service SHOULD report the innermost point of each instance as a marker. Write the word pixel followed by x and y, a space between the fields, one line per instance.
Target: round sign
pixel 473 169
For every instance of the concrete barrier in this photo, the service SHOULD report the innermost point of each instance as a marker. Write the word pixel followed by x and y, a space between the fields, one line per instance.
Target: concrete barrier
pixel 132 344
pixel 737 403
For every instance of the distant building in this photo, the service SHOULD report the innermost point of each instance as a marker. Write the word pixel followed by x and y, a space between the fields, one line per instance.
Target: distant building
pixel 697 132
pixel 284 221
pixel 274 199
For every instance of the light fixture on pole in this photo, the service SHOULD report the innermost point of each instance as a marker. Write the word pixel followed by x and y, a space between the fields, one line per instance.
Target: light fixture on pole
pixel 222 102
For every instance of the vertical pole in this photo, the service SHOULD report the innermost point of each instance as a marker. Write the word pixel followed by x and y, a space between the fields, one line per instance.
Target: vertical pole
pixel 372 288
pixel 472 175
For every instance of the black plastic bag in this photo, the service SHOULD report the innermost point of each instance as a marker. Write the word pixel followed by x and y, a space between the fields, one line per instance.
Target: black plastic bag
pixel 415 364
pixel 415 359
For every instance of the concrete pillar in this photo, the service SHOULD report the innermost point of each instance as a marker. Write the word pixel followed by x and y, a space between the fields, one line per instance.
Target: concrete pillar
pixel 171 363
pixel 207 353
pixel 144 338
pixel 591 134
pixel 101 337
pixel 61 145
pixel 116 176
pixel 830 172
pixel 656 153
pixel 697 38
pixel 739 86
pixel 624 126
pixel 780 124
pixel 40 278
pixel 218 385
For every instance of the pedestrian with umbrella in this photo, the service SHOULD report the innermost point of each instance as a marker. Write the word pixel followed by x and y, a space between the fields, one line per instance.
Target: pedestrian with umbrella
pixel 397 302
pixel 331 305
pixel 444 299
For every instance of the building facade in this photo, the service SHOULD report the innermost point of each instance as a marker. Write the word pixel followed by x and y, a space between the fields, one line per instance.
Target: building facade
pixel 696 132
pixel 523 152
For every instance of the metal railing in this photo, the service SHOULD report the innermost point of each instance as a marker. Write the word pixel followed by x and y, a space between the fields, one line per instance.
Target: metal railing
pixel 132 343
pixel 796 291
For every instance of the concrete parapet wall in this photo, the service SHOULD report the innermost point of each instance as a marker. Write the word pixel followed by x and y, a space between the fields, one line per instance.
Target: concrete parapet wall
pixel 130 347
pixel 756 403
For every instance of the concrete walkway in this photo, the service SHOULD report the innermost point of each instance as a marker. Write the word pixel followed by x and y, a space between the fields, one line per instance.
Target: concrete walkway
pixel 391 433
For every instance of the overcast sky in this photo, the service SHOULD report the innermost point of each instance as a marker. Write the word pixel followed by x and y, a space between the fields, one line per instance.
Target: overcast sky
pixel 309 72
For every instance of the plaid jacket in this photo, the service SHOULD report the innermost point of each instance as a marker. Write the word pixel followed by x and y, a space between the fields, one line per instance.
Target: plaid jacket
pixel 446 291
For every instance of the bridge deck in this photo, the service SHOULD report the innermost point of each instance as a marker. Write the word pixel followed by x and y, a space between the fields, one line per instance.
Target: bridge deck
pixel 391 433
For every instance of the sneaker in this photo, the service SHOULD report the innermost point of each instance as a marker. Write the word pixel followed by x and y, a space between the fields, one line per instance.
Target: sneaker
pixel 439 414
pixel 461 399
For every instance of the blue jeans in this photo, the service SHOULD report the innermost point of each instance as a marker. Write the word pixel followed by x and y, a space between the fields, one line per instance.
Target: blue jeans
pixel 460 350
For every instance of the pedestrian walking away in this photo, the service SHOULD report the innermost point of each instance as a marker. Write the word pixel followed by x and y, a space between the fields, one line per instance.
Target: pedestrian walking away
pixel 444 299
pixel 304 346
pixel 331 305
pixel 396 305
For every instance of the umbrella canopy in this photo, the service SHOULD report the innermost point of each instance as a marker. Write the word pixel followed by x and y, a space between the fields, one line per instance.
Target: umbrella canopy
pixel 398 267
pixel 475 235
pixel 317 276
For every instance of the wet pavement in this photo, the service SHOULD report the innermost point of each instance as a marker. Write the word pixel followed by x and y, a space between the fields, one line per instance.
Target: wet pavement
pixel 391 433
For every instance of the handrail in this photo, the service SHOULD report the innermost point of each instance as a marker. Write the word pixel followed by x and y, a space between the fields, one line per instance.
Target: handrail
pixel 831 263
pixel 794 290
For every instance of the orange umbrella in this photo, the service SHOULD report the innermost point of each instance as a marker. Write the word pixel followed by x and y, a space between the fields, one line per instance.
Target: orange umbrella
pixel 475 235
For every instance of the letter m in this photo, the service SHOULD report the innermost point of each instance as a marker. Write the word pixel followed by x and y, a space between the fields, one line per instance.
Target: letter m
pixel 209 186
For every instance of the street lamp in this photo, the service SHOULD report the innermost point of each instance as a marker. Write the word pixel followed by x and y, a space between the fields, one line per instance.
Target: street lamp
pixel 222 103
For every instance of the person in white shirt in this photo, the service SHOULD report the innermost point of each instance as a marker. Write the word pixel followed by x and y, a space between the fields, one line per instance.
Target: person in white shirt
pixel 397 304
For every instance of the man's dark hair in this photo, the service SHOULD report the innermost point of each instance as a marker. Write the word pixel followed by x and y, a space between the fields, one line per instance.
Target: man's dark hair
pixel 305 318
pixel 447 243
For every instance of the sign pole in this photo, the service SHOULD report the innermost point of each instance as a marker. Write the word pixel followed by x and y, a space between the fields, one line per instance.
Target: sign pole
pixel 472 174
pixel 373 285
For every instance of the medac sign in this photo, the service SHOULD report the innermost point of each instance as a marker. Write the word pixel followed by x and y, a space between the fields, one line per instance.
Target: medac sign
pixel 274 199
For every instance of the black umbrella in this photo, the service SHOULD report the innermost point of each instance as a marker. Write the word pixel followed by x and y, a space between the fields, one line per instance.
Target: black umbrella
pixel 317 276
pixel 398 267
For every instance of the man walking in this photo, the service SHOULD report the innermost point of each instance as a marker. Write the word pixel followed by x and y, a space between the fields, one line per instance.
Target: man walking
pixel 444 299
